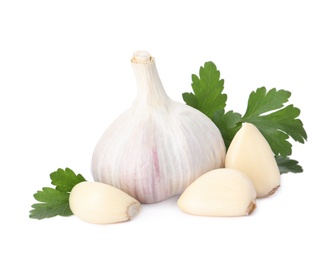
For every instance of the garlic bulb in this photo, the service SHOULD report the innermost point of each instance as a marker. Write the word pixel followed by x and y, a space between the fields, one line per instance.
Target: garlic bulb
pixel 155 149
pixel 250 153
pixel 219 193
pixel 100 203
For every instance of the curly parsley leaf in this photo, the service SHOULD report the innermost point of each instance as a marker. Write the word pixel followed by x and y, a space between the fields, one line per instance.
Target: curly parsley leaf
pixel 55 201
pixel 265 109
pixel 207 88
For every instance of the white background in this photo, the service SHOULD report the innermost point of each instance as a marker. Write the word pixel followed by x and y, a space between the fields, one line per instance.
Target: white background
pixel 65 75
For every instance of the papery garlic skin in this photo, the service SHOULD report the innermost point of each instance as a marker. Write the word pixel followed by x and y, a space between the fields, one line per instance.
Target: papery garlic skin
pixel 250 153
pixel 155 149
pixel 100 203
pixel 219 193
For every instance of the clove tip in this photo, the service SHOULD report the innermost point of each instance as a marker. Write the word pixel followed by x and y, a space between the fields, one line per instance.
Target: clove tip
pixel 251 207
pixel 133 209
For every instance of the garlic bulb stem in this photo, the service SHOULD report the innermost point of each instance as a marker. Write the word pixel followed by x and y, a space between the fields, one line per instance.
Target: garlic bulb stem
pixel 150 88
pixel 142 57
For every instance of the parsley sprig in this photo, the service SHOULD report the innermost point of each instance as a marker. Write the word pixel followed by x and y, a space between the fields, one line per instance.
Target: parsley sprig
pixel 55 201
pixel 265 109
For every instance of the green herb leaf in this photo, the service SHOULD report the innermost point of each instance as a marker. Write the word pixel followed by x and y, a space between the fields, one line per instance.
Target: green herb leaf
pixel 55 201
pixel 286 165
pixel 65 180
pixel 266 110
pixel 261 101
pixel 228 123
pixel 279 125
pixel 207 89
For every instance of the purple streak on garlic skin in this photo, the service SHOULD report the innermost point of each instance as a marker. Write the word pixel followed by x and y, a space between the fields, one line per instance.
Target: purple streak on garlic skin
pixel 156 175
pixel 156 163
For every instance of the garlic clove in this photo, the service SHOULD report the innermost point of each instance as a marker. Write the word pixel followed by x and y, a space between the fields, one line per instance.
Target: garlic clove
pixel 250 153
pixel 100 203
pixel 155 149
pixel 218 193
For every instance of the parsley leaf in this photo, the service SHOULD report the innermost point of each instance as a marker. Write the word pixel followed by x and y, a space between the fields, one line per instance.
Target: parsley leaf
pixel 64 180
pixel 55 201
pixel 228 123
pixel 279 125
pixel 286 165
pixel 265 109
pixel 207 88
pixel 261 101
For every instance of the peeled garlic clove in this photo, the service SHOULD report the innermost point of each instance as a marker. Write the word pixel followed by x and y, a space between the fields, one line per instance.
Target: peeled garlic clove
pixel 250 153
pixel 101 203
pixel 219 193
pixel 155 149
